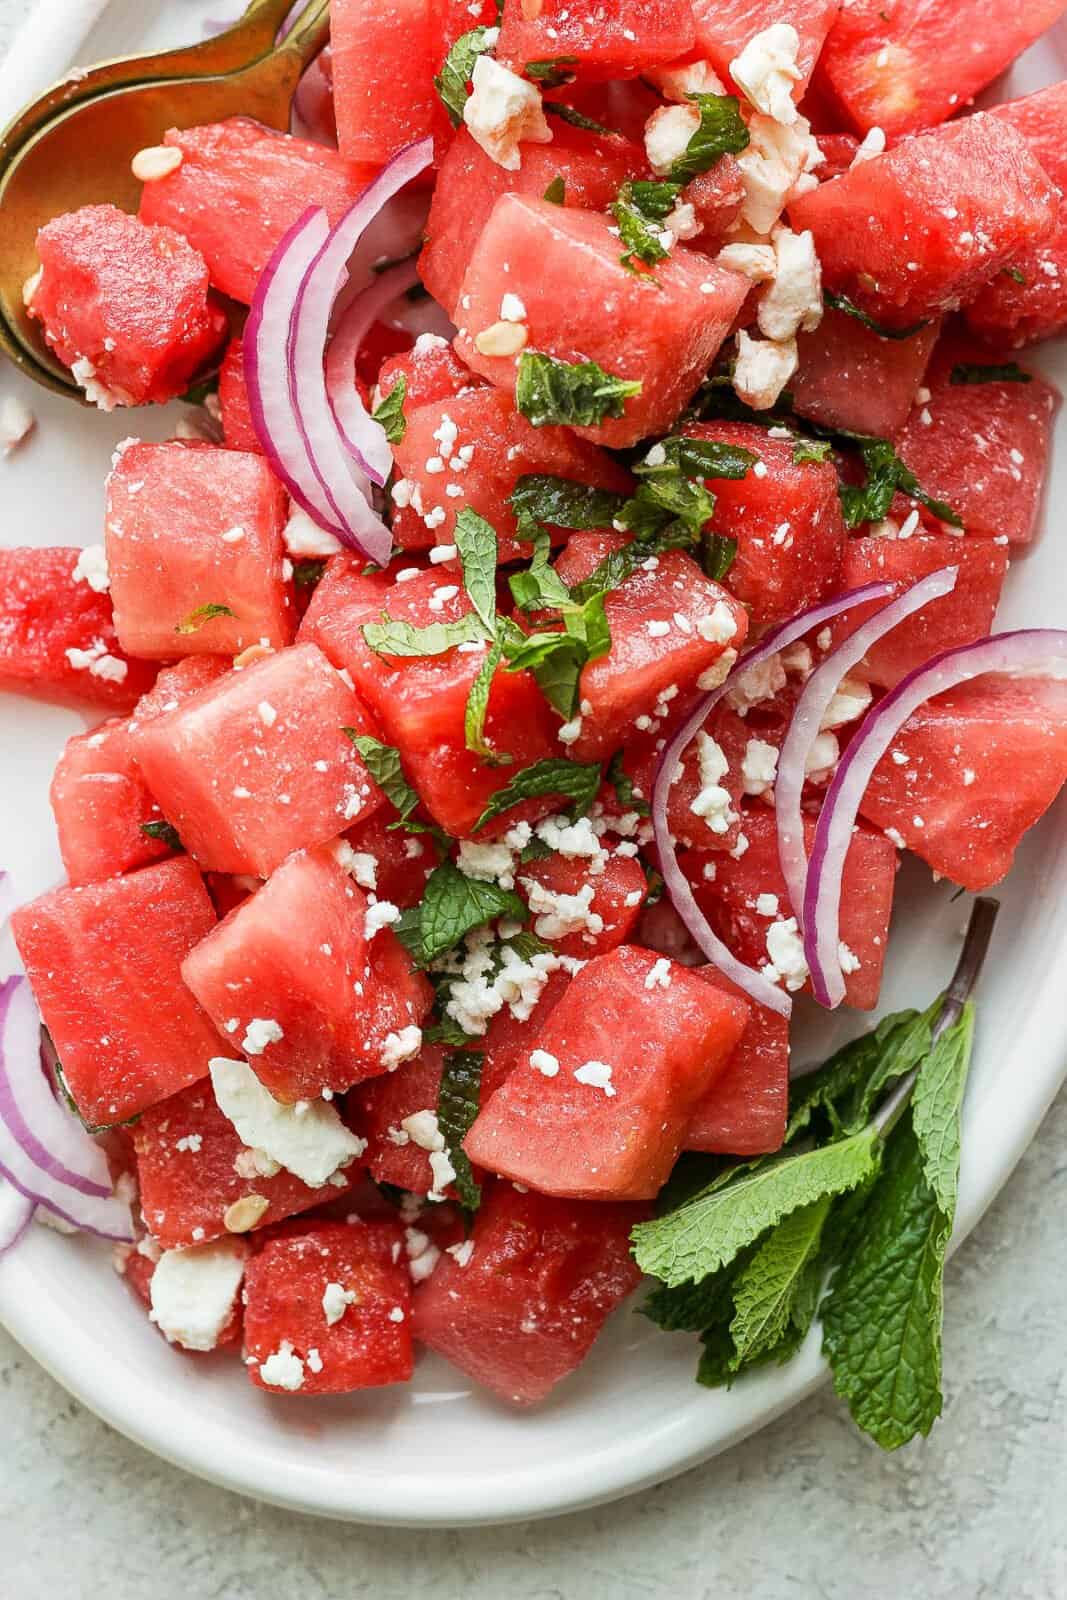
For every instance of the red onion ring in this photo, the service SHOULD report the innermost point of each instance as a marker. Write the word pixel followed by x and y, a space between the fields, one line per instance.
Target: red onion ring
pixel 755 985
pixel 16 1214
pixel 362 436
pixel 1033 650
pixel 807 720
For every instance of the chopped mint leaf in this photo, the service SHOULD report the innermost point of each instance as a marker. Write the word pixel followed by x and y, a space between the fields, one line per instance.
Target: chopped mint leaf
pixel 673 485
pixel 805 450
pixel 694 458
pixel 453 906
pixel 478 705
pixel 883 1313
pixel 691 1307
pixel 392 638
pixel 556 108
pixel 841 1094
pixel 563 502
pixel 652 538
pixel 717 555
pixel 654 198
pixel 641 226
pixel 936 1104
pixel 885 474
pixel 625 792
pixel 575 781
pixel 165 832
pixel 196 619
pixel 457 1107
pixel 306 574
pixel 556 657
pixel 721 132
pixel 536 850
pixel 383 763
pixel 447 1032
pixel 476 542
pixel 455 75
pixel 389 412
pixel 1004 372
pixel 1015 275
pixel 573 393
pixel 552 73
pixel 556 193
pixel 197 393
pixel 841 302
pixel 540 585
pixel 776 1284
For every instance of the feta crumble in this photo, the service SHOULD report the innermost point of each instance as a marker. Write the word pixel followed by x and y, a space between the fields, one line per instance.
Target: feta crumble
pixel 193 1291
pixel 91 568
pixel 283 1369
pixel 502 111
pixel 767 73
pixel 308 1139
pixel 261 1032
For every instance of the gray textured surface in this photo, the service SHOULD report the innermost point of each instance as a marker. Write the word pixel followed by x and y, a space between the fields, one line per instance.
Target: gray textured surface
pixel 805 1509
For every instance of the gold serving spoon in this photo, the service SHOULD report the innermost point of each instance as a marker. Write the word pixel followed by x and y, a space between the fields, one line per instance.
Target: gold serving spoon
pixel 73 147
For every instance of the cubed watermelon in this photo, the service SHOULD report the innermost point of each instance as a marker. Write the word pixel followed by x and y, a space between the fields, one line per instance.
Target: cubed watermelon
pixel 982 447
pixel 596 42
pixel 920 229
pixel 258 765
pixel 957 618
pixel 591 165
pixel 622 106
pixel 321 1012
pixel 509 1038
pixel 240 188
pixel 104 961
pixel 395 863
pixel 717 197
pixel 664 337
pixel 744 1111
pixel 431 371
pixel 725 27
pixel 909 65
pixel 237 429
pixel 970 772
pixel 57 633
pixel 851 378
pixel 485 446
pixel 195 551
pixel 193 1170
pixel 613 896
pixel 524 1309
pixel 709 827
pixel 787 523
pixel 177 683
pixel 102 806
pixel 384 60
pixel 1030 302
pixel 328 1309
pixel 669 624
pixel 125 306
pixel 378 1108
pixel 587 1114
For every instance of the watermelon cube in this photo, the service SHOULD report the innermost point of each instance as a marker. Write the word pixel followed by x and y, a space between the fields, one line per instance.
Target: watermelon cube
pixel 431 371
pixel 613 889
pixel 379 1107
pixel 983 448
pixel 237 429
pixel 908 66
pixel 850 378
pixel 319 1013
pixel 725 27
pixel 535 251
pixel 57 633
pixel 1030 302
pixel 328 1309
pixel 395 863
pixel 970 772
pixel 469 183
pixel 384 60
pixel 524 1309
pixel 509 1038
pixel 717 197
pixel 708 827
pixel 179 682
pixel 599 1109
pixel 623 106
pixel 747 903
pixel 920 229
pixel 102 805
pixel 787 523
pixel 104 961
pixel 668 625
pixel 125 306
pixel 502 446
pixel 198 1181
pixel 744 1112
pixel 195 551
pixel 240 188
pixel 596 42
pixel 258 765
pixel 957 618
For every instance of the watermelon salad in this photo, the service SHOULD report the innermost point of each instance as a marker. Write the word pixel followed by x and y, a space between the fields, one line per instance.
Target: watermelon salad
pixel 570 591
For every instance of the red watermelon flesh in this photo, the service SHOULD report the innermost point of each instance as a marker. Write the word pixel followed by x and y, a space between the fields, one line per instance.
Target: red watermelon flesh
pixel 1030 302
pixel 57 634
pixel 384 60
pixel 509 1037
pixel 192 528
pixel 851 378
pixel 543 1277
pixel 787 523
pixel 431 371
pixel 398 862
pixel 983 448
pixel 537 251
pixel 599 42
pixel 237 429
pixel 101 805
pixel 920 229
pixel 592 166
pixel 984 762
pixel 637 1025
pixel 724 27
pixel 258 765
pixel 957 618
pixel 333 996
pixel 744 1111
pixel 623 105
pixel 905 66
pixel 379 1106
pixel 125 305
pixel 618 893
pixel 104 961
pixel 192 1167
pixel 717 197
pixel 838 149
pixel 241 187
pixel 179 682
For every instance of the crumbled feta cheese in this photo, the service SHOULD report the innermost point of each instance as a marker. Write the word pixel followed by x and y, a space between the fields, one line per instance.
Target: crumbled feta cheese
pixel 766 71
pixel 678 83
pixel 767 905
pixel 759 767
pixel 283 1369
pixel 193 1292
pixel 762 369
pixel 97 393
pixel 793 302
pixel 17 422
pixel 512 309
pixel 309 1139
pixel 442 552
pixel 304 538
pixel 252 1164
pixel 822 758
pixel 266 713
pixel 421 1127
pixel 570 732
pixel 760 682
pixel 657 628
pixel 97 662
pixel 776 158
pixel 659 975
pixel 667 135
pixel 786 950
pixel 851 699
pixel 719 626
pixel 718 672
pixel 597 1075
pixel 850 962
pixel 556 914
pixel 335 1301
pixel 544 1062
pixel 91 568
pixel 487 863
pixel 713 802
pixel 261 1032
pixel 502 111
pixel 401 1046
pixel 756 262
pixel 380 914
pixel 873 144
pixel 461 1252
pixel 682 221
pixel 442 1173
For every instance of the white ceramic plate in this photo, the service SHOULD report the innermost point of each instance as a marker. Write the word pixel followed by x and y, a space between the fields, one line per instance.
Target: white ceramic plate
pixel 436 1452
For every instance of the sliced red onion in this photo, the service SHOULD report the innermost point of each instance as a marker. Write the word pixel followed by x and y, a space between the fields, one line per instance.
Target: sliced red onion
pixel 808 715
pixel 16 1214
pixel 363 437
pixel 753 982
pixel 44 1152
pixel 1030 651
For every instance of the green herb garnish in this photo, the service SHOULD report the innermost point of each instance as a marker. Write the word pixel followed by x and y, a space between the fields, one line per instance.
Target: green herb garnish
pixel 572 393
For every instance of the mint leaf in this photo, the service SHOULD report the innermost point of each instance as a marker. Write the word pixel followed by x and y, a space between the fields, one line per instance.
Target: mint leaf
pixel 691 1307
pixel 882 1316
pixel 196 619
pixel 165 832
pixel 841 302
pixel 563 502
pixel 622 783
pixel 478 705
pixel 722 131
pixel 641 232
pixel 575 781
pixel 1005 372
pixel 551 73
pixel 1014 274
pixel 447 1032
pixel 572 393
pixel 767 1290
pixel 620 564
pixel 936 1104
pixel 454 77
pixel 389 412
pixel 476 542
pixel 540 585
pixel 556 661
pixel 817 450
pixel 556 193
pixel 708 1232
pixel 717 555
pixel 457 1107
pixel 452 906
pixel 885 474
pixel 306 574
pixel 382 761
pixel 841 1093
pixel 392 638
pixel 694 458
pixel 565 113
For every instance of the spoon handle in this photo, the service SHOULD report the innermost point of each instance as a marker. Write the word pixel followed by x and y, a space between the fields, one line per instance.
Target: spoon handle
pixel 309 32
